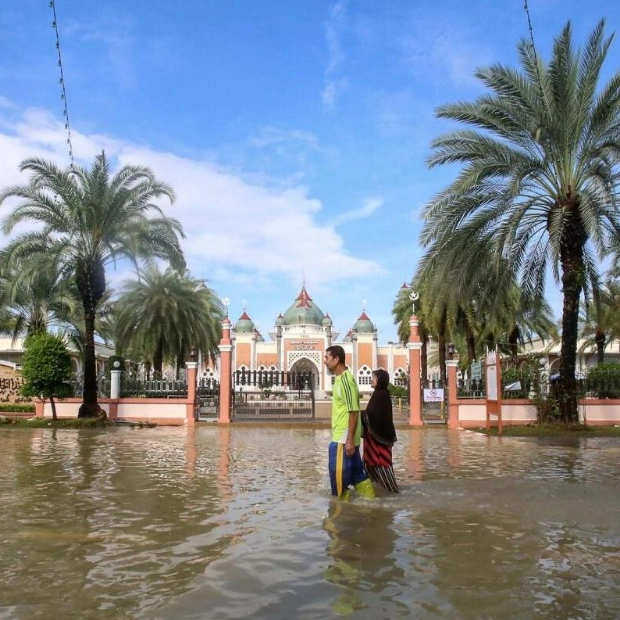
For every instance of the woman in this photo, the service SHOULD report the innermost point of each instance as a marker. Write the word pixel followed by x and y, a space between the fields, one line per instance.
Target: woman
pixel 379 434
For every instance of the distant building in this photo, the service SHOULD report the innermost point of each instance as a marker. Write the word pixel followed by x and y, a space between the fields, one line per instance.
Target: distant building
pixel 11 354
pixel 298 342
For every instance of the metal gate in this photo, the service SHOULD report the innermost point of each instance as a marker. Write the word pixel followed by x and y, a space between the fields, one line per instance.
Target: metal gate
pixel 434 398
pixel 273 395
pixel 207 399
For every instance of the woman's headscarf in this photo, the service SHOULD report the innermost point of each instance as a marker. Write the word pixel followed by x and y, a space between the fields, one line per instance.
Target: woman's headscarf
pixel 378 415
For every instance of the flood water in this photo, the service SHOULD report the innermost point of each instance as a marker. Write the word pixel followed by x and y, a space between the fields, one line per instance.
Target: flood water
pixel 237 522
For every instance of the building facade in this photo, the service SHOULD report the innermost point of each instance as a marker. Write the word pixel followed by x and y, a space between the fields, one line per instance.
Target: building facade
pixel 298 341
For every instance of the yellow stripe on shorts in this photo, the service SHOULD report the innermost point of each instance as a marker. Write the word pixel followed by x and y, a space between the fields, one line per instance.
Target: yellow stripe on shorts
pixel 339 465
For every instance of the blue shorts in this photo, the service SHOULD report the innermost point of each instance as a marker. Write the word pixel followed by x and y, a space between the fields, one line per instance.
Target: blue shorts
pixel 344 470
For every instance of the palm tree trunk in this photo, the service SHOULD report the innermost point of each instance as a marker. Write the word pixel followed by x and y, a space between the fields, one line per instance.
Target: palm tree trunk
pixel 571 252
pixel 424 359
pixel 441 344
pixel 90 406
pixel 513 341
pixel 599 339
pixel 470 339
pixel 90 280
pixel 158 361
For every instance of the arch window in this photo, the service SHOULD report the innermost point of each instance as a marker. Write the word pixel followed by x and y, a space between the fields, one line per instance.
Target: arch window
pixel 400 377
pixel 208 374
pixel 364 376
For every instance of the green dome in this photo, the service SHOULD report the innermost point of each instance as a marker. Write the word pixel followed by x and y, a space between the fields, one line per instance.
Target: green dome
pixel 245 325
pixel 364 325
pixel 327 321
pixel 303 311
pixel 280 320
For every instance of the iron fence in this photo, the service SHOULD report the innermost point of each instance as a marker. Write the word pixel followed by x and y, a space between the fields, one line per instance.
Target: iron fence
pixel 296 405
pixel 273 394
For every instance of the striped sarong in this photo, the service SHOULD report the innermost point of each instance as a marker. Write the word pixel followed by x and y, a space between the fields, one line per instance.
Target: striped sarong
pixel 378 463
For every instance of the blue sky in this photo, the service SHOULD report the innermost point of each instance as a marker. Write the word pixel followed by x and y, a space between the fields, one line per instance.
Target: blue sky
pixel 294 133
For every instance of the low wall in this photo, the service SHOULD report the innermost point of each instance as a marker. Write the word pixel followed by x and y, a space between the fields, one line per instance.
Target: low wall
pixel 180 411
pixel 472 413
pixel 162 411
pixel 599 412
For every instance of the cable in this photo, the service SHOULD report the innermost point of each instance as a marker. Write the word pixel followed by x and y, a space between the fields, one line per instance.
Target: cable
pixel 63 88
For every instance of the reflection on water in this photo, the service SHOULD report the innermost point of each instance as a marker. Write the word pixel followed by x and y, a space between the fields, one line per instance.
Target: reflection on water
pixel 237 522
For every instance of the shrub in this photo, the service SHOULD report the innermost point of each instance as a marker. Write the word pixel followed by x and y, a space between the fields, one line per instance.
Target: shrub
pixel 603 381
pixel 16 408
pixel 46 368
pixel 398 391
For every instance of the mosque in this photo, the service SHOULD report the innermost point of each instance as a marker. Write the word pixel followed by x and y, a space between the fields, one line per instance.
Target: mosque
pixel 298 342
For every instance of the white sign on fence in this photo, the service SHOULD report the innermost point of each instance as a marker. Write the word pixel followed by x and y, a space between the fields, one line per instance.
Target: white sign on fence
pixel 433 395
pixel 476 370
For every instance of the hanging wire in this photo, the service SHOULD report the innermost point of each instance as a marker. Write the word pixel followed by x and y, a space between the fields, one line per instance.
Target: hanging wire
pixel 533 44
pixel 63 89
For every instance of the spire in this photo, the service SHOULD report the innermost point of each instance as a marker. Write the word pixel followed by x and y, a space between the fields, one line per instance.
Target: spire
pixel 305 301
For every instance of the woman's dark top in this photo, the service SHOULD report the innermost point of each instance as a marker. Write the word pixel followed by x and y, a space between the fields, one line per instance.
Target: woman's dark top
pixel 377 418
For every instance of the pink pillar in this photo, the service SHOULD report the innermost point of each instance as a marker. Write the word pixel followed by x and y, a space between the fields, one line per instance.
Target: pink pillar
pixel 225 373
pixel 453 407
pixel 39 408
pixel 190 411
pixel 414 347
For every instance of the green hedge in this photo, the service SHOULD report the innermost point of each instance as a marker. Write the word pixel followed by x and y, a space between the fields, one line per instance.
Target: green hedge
pixel 16 408
pixel 603 381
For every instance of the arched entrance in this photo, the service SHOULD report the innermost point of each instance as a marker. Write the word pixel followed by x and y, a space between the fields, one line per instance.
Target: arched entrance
pixel 305 365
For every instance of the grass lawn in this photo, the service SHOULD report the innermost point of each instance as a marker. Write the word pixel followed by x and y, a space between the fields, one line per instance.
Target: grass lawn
pixel 555 430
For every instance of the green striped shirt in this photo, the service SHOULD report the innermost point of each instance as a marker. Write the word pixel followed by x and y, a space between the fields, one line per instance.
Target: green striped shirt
pixel 346 398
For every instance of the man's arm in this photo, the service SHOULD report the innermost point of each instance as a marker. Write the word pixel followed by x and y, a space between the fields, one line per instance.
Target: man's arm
pixel 349 446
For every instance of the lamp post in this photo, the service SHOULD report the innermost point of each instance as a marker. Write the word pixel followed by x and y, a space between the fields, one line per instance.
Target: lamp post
pixel 451 350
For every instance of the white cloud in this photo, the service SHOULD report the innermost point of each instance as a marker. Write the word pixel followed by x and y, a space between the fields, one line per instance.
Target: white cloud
pixel 235 228
pixel 334 84
pixel 366 210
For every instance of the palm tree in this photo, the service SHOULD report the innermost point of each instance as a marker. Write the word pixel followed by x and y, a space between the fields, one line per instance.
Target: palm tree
pixel 164 315
pixel 539 178
pixel 33 299
pixel 600 323
pixel 87 219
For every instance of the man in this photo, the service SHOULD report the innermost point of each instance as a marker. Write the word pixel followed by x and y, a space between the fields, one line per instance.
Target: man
pixel 345 463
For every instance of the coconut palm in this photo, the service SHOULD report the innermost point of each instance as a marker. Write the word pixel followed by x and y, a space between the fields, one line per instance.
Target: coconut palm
pixel 162 316
pixel 84 219
pixel 539 179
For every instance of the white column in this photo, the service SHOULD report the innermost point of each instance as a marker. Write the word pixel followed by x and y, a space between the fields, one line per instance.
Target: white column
pixel 115 384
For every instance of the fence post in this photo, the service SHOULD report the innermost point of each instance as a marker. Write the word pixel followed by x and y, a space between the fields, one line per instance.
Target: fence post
pixel 414 347
pixel 225 348
pixel 453 407
pixel 115 392
pixel 190 407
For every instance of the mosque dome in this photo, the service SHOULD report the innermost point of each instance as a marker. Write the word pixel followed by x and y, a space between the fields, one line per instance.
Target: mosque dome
pixel 280 320
pixel 245 325
pixel 363 325
pixel 327 321
pixel 303 311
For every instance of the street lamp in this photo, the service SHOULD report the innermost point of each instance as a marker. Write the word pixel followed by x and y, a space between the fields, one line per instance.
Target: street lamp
pixel 451 350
